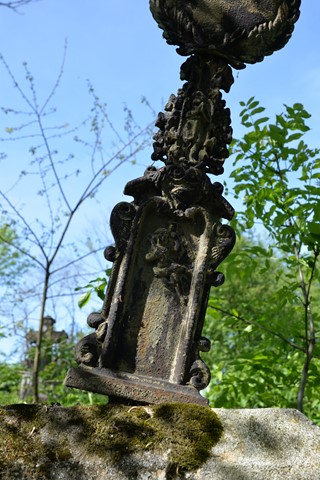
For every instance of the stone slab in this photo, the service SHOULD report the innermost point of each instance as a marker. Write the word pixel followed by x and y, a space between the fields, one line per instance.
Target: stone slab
pixel 260 444
pixel 264 444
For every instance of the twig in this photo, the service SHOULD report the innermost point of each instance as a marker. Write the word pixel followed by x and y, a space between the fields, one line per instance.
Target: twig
pixel 262 327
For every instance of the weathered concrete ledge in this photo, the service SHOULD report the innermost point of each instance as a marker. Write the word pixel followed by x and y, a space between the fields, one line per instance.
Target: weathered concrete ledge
pixel 169 441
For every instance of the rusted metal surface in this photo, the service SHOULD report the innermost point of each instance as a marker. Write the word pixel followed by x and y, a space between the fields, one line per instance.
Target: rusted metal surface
pixel 140 389
pixel 151 323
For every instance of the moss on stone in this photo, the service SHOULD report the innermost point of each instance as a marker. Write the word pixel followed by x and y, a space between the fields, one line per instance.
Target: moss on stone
pixel 192 431
pixel 185 432
pixel 21 443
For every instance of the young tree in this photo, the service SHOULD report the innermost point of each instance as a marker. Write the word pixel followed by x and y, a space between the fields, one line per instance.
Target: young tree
pixel 278 174
pixel 255 358
pixel 64 182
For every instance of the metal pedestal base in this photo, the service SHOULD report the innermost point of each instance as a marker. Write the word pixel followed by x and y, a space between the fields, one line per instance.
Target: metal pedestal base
pixel 145 390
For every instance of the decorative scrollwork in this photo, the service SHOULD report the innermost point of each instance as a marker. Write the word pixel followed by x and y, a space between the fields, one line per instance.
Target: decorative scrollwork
pixel 199 374
pixel 171 262
pixel 223 240
pixel 120 223
pixel 87 351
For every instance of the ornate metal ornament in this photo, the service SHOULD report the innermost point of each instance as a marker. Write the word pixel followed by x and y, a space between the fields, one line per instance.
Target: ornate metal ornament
pixel 241 31
pixel 169 240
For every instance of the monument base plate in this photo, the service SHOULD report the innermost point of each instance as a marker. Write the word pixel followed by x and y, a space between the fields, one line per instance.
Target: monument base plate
pixel 144 390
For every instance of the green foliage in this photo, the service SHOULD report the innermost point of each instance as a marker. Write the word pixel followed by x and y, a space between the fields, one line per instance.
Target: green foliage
pixel 264 322
pixel 53 374
pixel 12 262
pixel 57 357
pixel 278 174
pixel 97 286
pixel 10 379
pixel 251 328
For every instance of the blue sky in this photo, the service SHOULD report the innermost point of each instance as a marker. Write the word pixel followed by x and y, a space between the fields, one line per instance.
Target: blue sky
pixel 117 46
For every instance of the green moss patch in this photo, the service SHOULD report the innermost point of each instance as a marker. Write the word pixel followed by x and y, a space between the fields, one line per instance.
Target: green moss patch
pixel 21 447
pixel 185 432
pixel 191 430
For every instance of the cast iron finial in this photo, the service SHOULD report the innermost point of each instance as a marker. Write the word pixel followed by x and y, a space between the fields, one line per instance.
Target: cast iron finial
pixel 242 31
pixel 170 240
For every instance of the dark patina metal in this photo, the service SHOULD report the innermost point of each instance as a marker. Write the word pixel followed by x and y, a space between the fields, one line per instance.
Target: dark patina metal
pixel 169 240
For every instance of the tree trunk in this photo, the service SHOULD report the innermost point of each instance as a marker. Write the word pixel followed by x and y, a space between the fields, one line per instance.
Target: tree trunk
pixel 37 356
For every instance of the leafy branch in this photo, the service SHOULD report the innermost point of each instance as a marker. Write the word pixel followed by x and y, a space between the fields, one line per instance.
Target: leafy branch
pixel 258 325
pixel 276 151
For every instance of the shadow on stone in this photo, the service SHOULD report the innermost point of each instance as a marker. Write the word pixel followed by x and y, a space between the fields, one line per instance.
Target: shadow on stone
pixel 43 440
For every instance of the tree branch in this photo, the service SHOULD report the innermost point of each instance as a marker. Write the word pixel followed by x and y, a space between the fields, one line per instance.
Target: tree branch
pixel 21 250
pixel 91 187
pixel 32 232
pixel 77 260
pixel 262 327
pixel 16 4
pixel 311 336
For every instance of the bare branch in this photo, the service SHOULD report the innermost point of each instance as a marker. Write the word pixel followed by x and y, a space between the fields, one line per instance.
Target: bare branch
pixel 72 262
pixel 21 250
pixel 23 220
pixel 92 187
pixel 16 4
pixel 52 241
pixel 57 82
pixel 16 84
